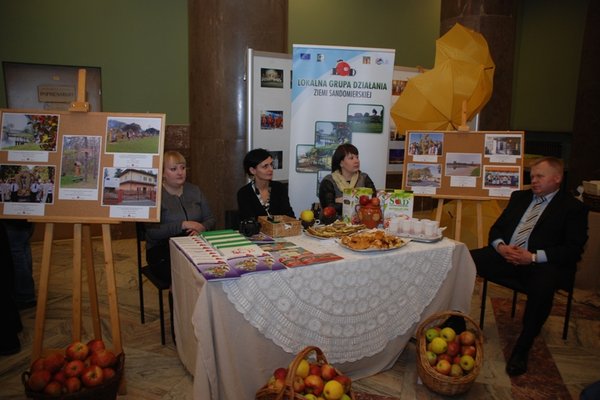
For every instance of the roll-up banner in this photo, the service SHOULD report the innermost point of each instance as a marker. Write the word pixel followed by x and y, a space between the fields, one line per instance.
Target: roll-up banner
pixel 339 95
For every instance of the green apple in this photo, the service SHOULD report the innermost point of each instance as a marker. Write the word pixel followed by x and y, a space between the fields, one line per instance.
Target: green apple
pixel 467 363
pixel 456 370
pixel 431 357
pixel 431 333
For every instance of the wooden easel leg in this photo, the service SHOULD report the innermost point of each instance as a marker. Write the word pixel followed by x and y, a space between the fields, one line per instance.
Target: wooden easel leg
pixel 112 289
pixel 439 210
pixel 40 314
pixel 479 215
pixel 112 298
pixel 458 220
pixel 91 275
pixel 76 328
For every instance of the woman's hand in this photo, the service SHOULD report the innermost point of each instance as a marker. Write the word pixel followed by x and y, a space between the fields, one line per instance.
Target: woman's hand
pixel 192 227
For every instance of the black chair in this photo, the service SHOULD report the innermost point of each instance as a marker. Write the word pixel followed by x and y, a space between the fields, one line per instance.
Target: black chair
pixel 567 285
pixel 161 285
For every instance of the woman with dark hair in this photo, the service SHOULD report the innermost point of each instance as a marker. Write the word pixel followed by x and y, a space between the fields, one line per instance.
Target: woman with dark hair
pixel 345 174
pixel 262 195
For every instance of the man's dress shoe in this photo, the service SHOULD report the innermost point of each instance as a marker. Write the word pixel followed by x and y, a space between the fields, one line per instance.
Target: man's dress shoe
pixel 517 363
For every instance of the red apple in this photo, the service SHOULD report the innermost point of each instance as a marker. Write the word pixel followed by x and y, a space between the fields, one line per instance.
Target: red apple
pixel 314 369
pixel 54 362
pixel 104 358
pixel 53 389
pixel 445 356
pixel 453 349
pixel 92 376
pixel 443 367
pixel 37 365
pixel 108 373
pixel 375 202
pixel 299 384
pixel 96 344
pixel 364 200
pixel 73 384
pixel 60 377
pixel 329 212
pixel 39 379
pixel 280 373
pixel 468 351
pixel 345 381
pixel 456 359
pixel 77 351
pixel 314 384
pixel 328 372
pixel 74 368
pixel 467 338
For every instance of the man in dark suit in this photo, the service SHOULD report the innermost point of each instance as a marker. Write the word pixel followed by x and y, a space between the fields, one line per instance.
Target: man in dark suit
pixel 538 240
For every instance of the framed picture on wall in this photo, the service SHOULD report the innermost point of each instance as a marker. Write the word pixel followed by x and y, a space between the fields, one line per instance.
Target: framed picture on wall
pixel 49 87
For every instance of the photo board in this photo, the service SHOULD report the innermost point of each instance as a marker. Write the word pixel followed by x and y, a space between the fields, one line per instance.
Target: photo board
pixel 80 166
pixel 269 107
pixel 464 165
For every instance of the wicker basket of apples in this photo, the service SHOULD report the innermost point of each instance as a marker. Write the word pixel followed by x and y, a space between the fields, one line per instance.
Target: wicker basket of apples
pixel 83 371
pixel 448 362
pixel 308 377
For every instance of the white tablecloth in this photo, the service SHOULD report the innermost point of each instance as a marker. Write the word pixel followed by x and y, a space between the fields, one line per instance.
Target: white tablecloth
pixel 360 311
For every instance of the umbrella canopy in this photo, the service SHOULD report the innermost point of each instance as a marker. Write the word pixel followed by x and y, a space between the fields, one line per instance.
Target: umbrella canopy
pixel 460 82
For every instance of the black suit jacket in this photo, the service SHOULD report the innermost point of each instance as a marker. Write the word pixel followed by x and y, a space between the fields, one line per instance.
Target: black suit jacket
pixel 561 230
pixel 249 206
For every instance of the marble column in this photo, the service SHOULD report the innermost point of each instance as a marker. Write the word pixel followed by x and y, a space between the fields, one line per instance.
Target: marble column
pixel 496 21
pixel 220 32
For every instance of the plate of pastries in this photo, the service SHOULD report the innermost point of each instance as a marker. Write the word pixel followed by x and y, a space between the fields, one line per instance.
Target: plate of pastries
pixel 372 240
pixel 336 229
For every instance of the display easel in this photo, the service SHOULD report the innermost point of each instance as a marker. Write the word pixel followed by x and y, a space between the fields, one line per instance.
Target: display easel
pixel 459 200
pixel 82 247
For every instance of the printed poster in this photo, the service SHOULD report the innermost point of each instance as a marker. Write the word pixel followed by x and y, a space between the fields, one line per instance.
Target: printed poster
pixel 339 95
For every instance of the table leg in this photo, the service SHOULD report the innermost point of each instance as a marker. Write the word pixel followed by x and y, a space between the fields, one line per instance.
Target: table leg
pixel 76 301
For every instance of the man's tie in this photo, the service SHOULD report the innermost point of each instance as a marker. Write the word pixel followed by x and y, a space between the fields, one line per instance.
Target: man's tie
pixel 527 226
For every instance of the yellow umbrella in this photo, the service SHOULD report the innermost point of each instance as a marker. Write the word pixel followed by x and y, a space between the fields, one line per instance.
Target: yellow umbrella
pixel 460 82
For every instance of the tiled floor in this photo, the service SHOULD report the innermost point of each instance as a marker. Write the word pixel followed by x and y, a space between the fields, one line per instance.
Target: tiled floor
pixel 154 371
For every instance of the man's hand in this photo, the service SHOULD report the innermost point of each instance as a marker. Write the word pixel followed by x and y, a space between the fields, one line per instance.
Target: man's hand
pixel 514 254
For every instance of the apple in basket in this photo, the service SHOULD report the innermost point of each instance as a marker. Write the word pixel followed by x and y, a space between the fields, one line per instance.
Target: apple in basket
pixel 103 358
pixel 77 351
pixel 39 379
pixel 73 384
pixel 95 345
pixel 328 372
pixel 467 338
pixel 53 389
pixel 314 384
pixel 443 367
pixel 74 368
pixel 92 376
pixel 345 381
pixel 467 363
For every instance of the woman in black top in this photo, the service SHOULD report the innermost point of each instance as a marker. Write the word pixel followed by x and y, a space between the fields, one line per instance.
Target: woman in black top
pixel 262 196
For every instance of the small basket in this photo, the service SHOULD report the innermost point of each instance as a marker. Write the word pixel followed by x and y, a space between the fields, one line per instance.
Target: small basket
pixel 436 382
pixel 106 391
pixel 287 392
pixel 282 225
